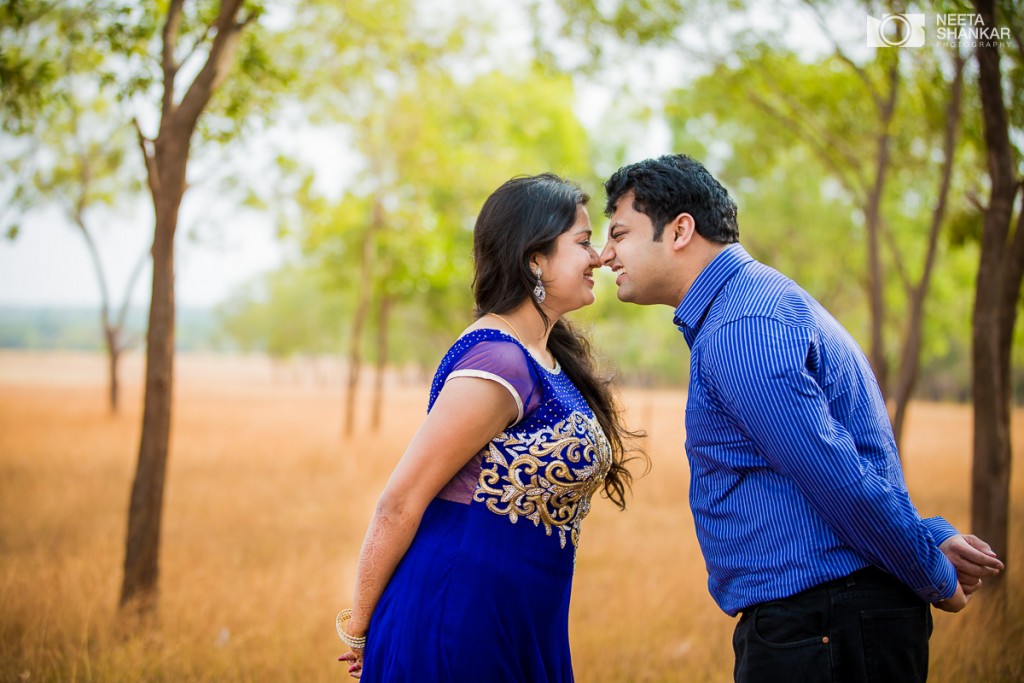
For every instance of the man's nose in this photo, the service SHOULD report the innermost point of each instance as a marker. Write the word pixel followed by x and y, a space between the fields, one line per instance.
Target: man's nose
pixel 607 254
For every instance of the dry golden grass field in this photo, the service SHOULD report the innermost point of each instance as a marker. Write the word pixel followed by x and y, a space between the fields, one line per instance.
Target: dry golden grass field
pixel 266 506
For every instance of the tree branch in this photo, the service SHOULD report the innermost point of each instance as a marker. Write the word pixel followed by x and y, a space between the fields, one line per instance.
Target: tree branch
pixel 199 41
pixel 97 264
pixel 152 173
pixel 821 148
pixel 217 65
pixel 167 63
pixel 861 72
pixel 132 279
pixel 806 116
pixel 901 268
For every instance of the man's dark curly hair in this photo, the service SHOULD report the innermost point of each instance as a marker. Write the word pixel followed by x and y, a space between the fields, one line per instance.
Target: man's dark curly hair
pixel 673 184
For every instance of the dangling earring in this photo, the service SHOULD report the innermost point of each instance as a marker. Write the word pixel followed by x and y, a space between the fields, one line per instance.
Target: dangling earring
pixel 539 293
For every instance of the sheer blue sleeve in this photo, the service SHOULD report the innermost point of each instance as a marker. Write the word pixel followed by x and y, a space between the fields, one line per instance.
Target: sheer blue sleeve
pixel 504 362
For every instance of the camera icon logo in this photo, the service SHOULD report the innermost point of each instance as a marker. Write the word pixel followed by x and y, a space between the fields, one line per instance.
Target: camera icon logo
pixel 896 30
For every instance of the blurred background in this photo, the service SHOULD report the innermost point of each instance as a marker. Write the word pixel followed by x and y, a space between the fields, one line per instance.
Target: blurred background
pixel 281 195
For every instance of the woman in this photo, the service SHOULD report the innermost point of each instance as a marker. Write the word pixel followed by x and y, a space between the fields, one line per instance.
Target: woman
pixel 466 568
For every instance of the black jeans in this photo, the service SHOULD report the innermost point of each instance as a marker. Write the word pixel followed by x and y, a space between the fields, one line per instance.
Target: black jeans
pixel 864 627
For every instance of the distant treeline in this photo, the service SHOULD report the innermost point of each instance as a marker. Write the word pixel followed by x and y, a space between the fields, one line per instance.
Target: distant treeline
pixel 79 329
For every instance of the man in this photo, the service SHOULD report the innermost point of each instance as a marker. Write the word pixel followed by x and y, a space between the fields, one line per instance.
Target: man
pixel 797 493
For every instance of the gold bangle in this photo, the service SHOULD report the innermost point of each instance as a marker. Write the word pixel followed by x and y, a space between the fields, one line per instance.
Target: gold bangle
pixel 354 642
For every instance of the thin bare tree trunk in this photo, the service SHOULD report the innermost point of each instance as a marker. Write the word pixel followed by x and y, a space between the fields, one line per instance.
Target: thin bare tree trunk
pixel 910 359
pixel 139 589
pixel 113 358
pixel 383 349
pixel 873 224
pixel 110 333
pixel 166 160
pixel 355 357
pixel 995 308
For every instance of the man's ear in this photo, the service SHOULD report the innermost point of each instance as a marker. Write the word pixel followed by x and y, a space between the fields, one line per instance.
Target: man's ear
pixel 682 228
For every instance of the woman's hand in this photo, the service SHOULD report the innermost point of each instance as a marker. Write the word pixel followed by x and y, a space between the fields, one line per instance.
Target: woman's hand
pixel 355 660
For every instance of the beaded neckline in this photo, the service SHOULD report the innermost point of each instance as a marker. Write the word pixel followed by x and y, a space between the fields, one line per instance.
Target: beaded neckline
pixel 557 370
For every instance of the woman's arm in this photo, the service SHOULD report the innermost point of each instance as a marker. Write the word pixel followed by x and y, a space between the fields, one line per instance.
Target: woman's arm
pixel 467 414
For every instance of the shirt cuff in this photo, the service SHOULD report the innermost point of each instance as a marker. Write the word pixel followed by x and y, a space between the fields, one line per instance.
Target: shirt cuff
pixel 940 529
pixel 945 584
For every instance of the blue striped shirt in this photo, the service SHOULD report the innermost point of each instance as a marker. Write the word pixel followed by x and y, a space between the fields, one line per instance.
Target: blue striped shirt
pixel 795 479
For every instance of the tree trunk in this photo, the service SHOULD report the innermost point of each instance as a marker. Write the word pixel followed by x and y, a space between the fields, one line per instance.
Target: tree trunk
pixel 166 160
pixel 141 563
pixel 873 225
pixel 383 321
pixel 113 357
pixel 108 330
pixel 910 360
pixel 365 284
pixel 355 358
pixel 996 298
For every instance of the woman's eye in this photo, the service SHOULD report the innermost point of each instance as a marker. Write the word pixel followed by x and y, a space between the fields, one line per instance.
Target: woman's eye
pixel 586 244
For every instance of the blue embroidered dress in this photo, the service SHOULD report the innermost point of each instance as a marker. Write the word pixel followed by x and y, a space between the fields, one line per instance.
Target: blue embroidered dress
pixel 483 592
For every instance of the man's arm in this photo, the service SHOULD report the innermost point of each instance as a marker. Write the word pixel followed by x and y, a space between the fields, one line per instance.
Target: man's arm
pixel 760 376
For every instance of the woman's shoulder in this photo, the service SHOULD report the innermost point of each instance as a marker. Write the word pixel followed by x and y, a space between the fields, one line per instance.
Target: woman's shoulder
pixel 486 346
pixel 491 354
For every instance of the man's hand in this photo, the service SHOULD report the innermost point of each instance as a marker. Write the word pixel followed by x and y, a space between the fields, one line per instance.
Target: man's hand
pixel 973 559
pixel 955 603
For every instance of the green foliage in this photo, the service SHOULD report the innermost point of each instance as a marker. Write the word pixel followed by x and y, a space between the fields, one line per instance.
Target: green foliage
pixel 795 143
pixel 438 126
pixel 74 75
pixel 434 148
pixel 433 152
pixel 285 314
pixel 638 344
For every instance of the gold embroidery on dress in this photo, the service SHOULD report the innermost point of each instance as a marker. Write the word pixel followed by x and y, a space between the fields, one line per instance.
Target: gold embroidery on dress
pixel 538 482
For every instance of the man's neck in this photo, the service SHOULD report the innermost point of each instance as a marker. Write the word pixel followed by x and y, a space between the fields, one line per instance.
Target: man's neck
pixel 704 252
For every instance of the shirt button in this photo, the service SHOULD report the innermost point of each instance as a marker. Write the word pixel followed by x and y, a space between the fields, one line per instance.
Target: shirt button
pixel 933 595
pixel 825 640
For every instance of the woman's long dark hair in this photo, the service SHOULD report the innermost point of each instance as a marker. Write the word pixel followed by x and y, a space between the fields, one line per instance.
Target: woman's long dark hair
pixel 523 217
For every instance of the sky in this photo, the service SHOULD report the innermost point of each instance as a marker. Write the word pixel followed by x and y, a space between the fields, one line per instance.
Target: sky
pixel 48 264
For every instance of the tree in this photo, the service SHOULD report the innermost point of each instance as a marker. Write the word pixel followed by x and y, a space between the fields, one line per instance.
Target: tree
pixel 284 313
pixel 70 140
pixel 869 131
pixel 1000 272
pixel 856 117
pixel 166 158
pixel 434 149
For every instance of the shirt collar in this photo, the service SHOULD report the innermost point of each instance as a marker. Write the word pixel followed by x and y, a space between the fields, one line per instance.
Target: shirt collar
pixel 690 313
